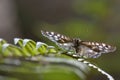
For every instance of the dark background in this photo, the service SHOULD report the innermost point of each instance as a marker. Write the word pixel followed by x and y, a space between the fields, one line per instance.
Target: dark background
pixel 90 20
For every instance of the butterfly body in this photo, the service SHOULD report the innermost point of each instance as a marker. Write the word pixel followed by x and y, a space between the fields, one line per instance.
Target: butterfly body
pixel 81 48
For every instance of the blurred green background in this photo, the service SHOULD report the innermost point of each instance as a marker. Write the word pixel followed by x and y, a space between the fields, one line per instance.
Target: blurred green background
pixel 89 20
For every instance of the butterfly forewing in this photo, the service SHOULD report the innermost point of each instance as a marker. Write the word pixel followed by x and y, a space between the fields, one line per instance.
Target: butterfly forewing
pixel 61 40
pixel 56 37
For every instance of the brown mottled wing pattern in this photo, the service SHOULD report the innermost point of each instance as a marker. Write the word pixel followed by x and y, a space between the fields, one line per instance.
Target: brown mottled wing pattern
pixel 61 40
pixel 99 47
pixel 94 49
pixel 56 37
pixel 82 48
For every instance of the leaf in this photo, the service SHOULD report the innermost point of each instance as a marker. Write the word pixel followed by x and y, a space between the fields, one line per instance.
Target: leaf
pixel 49 68
pixel 11 50
pixel 41 47
pixel 51 49
pixel 2 41
pixel 22 44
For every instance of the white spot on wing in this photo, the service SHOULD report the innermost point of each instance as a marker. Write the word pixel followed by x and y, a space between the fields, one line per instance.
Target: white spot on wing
pixel 66 37
pixel 101 47
pixel 103 44
pixel 89 43
pixel 109 46
pixel 97 44
pixel 93 47
pixel 93 43
pixel 65 44
pixel 91 51
pixel 106 48
pixel 52 33
pixel 62 36
pixel 47 32
pixel 58 35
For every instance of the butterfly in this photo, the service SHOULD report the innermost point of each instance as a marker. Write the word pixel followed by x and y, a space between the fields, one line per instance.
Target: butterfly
pixel 81 48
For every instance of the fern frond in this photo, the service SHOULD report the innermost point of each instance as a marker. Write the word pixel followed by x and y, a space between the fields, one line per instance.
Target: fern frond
pixel 24 47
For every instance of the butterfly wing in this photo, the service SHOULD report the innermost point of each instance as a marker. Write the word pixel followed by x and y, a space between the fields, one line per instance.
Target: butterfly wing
pixel 56 37
pixel 82 48
pixel 94 49
pixel 61 40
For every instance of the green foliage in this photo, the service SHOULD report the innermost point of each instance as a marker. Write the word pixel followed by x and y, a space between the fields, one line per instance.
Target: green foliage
pixel 24 47
pixel 45 68
pixel 93 8
pixel 26 60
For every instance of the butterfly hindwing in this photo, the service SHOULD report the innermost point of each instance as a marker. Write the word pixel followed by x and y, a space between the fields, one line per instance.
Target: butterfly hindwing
pixel 99 47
